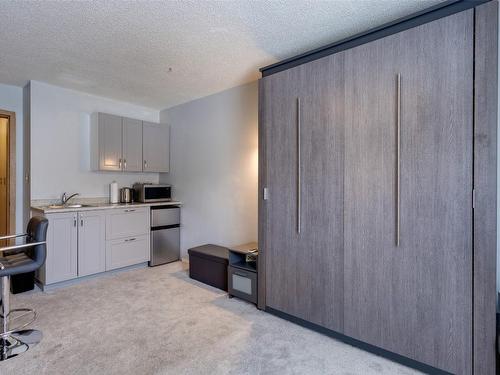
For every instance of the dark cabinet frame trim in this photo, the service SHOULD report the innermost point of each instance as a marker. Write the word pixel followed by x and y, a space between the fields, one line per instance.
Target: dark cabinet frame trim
pixel 485 104
pixel 485 187
pixel 359 344
pixel 416 19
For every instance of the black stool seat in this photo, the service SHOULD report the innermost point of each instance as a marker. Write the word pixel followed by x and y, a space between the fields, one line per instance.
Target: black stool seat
pixel 17 263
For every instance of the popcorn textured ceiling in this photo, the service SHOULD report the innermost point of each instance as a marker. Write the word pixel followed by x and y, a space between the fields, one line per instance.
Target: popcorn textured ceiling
pixel 163 53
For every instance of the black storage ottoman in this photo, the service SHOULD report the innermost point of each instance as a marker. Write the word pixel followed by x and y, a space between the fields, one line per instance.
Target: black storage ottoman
pixel 208 264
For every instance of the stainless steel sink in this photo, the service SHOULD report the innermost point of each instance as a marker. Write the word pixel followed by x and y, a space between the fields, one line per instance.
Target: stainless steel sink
pixel 68 205
pixel 55 206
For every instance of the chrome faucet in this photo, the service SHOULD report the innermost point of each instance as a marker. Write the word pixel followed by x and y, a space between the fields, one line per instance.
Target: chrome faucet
pixel 65 199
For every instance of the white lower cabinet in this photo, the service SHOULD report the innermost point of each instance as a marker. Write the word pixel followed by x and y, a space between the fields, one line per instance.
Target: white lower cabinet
pixel 127 251
pixel 91 242
pixel 62 251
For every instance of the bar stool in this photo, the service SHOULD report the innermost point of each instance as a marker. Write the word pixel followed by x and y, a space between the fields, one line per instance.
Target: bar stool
pixel 14 260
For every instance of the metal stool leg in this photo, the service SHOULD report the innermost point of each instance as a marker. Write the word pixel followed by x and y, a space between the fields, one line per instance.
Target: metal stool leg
pixel 5 282
pixel 10 346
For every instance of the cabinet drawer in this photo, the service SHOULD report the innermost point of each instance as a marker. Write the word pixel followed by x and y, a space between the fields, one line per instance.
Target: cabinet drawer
pixel 126 252
pixel 127 222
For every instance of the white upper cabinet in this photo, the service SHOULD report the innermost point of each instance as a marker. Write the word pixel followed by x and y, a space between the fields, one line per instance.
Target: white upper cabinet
pixel 124 144
pixel 156 147
pixel 106 142
pixel 132 145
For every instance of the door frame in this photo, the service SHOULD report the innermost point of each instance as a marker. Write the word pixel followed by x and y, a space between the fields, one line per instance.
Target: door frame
pixel 11 166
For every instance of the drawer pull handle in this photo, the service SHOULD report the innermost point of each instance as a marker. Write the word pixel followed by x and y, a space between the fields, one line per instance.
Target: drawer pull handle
pixel 129 210
pixel 130 239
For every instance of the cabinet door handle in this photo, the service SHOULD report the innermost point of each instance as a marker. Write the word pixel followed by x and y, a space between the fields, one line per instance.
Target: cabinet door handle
pixel 130 239
pixel 124 163
pixel 74 221
pixel 299 187
pixel 398 159
pixel 145 164
pixel 81 222
pixel 120 163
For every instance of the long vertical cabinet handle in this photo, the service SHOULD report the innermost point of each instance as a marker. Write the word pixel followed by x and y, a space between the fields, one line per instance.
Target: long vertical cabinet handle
pixel 299 187
pixel 398 160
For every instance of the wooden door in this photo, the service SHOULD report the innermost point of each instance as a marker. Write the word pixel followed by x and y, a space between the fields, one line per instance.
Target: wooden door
pixel 91 242
pixel 320 255
pixel 132 145
pixel 413 298
pixel 436 190
pixel 4 176
pixel 110 142
pixel 369 193
pixel 156 148
pixel 62 250
pixel 279 122
pixel 303 116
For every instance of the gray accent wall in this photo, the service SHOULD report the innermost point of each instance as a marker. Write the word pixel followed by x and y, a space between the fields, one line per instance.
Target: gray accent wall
pixel 213 166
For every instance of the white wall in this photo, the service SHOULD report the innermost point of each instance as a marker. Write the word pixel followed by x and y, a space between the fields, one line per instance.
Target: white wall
pixel 11 99
pixel 60 155
pixel 214 167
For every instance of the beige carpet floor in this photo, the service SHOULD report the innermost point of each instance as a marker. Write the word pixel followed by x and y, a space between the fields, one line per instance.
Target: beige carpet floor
pixel 159 321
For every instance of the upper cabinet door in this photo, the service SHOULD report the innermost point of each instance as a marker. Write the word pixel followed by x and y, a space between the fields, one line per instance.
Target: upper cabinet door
pixel 132 145
pixel 156 147
pixel 110 142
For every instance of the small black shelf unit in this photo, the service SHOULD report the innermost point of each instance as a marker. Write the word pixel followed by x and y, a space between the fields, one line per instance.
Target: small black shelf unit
pixel 242 274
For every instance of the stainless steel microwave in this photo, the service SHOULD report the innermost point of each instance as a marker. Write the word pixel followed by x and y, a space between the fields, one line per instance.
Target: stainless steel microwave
pixel 152 193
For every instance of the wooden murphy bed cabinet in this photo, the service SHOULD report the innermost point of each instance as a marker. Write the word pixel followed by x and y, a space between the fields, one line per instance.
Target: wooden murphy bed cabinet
pixel 369 159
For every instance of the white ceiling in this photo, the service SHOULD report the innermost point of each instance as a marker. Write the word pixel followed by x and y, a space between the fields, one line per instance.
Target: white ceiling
pixel 124 49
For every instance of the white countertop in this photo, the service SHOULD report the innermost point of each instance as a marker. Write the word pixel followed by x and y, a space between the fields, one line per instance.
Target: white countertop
pixel 101 206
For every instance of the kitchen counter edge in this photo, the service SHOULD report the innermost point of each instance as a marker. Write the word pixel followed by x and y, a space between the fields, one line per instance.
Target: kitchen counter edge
pixel 102 206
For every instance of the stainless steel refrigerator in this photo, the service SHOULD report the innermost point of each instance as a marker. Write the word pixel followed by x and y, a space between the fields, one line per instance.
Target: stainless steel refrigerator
pixel 165 234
